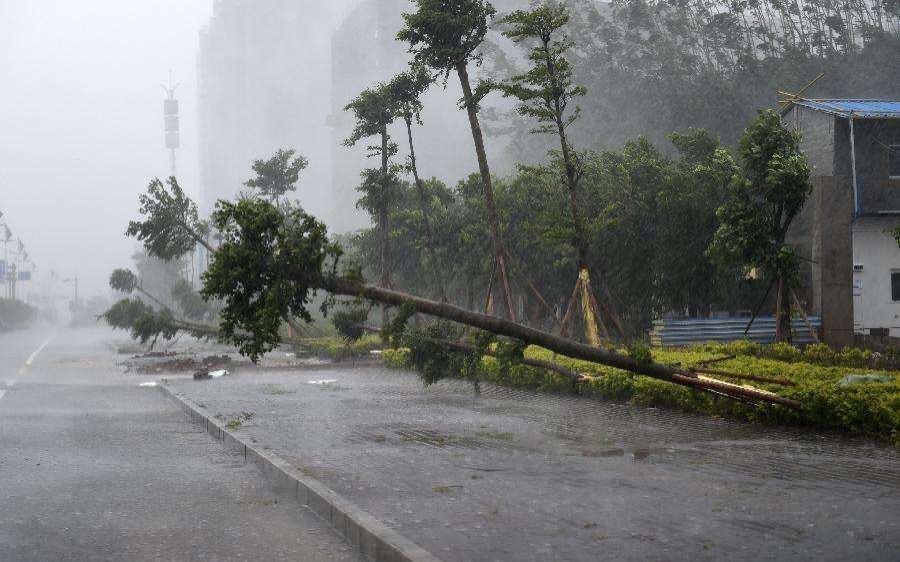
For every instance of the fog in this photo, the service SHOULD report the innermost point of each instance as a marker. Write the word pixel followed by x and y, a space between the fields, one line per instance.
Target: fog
pixel 81 121
pixel 81 115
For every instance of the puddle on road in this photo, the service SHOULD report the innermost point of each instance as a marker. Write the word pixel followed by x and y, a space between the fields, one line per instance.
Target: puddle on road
pixel 640 454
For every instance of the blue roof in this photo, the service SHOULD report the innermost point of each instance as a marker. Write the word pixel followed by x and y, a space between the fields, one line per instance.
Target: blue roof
pixel 859 109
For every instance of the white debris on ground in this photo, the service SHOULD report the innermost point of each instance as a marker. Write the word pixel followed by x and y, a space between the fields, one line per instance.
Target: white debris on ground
pixel 148 384
pixel 218 374
pixel 376 352
pixel 324 381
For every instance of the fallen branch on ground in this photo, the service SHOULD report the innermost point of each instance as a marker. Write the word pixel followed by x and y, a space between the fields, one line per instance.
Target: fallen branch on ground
pixel 782 382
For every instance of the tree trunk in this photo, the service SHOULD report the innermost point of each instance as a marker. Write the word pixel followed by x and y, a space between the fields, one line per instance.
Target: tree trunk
pixel 783 313
pixel 426 214
pixel 152 298
pixel 493 216
pixel 571 374
pixel 563 346
pixel 384 227
pixel 580 241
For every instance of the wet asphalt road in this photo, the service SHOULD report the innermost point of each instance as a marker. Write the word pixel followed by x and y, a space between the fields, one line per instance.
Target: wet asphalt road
pixel 523 476
pixel 93 467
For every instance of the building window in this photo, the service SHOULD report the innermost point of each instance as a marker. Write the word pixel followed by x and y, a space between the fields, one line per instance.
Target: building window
pixel 895 286
pixel 894 160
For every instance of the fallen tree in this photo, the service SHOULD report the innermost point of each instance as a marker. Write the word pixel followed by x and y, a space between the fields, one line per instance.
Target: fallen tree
pixel 532 336
pixel 272 260
pixel 148 325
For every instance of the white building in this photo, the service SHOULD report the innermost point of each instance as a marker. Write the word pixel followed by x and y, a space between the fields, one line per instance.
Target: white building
pixel 847 227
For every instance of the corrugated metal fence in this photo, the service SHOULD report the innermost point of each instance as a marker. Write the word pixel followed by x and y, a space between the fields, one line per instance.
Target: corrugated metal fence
pixel 699 330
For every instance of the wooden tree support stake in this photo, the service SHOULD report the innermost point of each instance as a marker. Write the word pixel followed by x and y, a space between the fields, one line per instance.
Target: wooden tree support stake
pixel 809 326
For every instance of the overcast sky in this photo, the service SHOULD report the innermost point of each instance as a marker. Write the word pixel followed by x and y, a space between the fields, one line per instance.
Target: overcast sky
pixel 81 122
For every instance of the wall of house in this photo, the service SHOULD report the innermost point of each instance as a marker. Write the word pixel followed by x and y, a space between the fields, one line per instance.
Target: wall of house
pixel 877 191
pixel 875 248
pixel 822 232
pixel 818 138
pixel 826 144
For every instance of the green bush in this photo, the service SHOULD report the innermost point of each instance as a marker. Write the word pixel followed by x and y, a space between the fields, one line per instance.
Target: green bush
pixel 817 354
pixel 395 358
pixel 820 354
pixel 336 347
pixel 784 352
pixel 855 357
pixel 871 409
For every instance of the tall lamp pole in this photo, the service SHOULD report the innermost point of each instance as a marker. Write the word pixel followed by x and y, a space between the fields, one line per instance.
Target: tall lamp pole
pixel 170 114
pixel 4 271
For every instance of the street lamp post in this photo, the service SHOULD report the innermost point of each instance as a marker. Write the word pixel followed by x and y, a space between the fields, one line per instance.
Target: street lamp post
pixel 4 271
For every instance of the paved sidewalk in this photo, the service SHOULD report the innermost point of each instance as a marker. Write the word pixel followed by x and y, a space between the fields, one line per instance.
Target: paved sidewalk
pixel 514 475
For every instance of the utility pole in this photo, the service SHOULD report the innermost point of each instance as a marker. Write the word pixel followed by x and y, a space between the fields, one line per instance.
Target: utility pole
pixel 172 130
pixel 4 266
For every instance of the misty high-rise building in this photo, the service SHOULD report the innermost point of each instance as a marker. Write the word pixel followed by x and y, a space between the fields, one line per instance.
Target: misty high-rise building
pixel 278 74
pixel 263 72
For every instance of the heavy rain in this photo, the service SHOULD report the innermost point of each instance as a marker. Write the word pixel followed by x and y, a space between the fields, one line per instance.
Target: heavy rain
pixel 449 280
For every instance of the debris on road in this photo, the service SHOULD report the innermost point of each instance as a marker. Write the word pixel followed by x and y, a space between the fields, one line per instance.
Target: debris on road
pixel 205 374
pixel 171 363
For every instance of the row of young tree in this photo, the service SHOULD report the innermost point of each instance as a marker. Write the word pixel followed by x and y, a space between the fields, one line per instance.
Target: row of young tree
pixel 665 233
pixel 609 240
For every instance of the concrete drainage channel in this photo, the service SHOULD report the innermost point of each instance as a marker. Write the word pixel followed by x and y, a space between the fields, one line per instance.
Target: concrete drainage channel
pixel 361 530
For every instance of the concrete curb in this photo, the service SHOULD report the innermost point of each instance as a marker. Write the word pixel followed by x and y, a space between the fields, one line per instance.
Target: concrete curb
pixel 361 530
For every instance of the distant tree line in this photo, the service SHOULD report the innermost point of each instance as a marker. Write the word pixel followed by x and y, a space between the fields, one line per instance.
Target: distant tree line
pixel 655 66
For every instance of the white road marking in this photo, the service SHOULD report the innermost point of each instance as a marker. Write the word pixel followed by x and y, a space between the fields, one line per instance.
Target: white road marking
pixel 33 356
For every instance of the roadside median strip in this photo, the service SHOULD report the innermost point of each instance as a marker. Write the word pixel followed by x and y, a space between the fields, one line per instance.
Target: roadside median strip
pixel 361 530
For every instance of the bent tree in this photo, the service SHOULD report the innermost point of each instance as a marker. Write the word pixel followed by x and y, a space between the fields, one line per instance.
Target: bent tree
pixel 761 203
pixel 173 227
pixel 375 111
pixel 406 90
pixel 444 35
pixel 545 93
pixel 125 281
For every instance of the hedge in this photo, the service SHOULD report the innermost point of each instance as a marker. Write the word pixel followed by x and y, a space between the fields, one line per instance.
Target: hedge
pixel 870 409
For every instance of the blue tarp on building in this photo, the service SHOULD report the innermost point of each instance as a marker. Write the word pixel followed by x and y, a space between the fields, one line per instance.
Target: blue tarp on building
pixel 858 109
